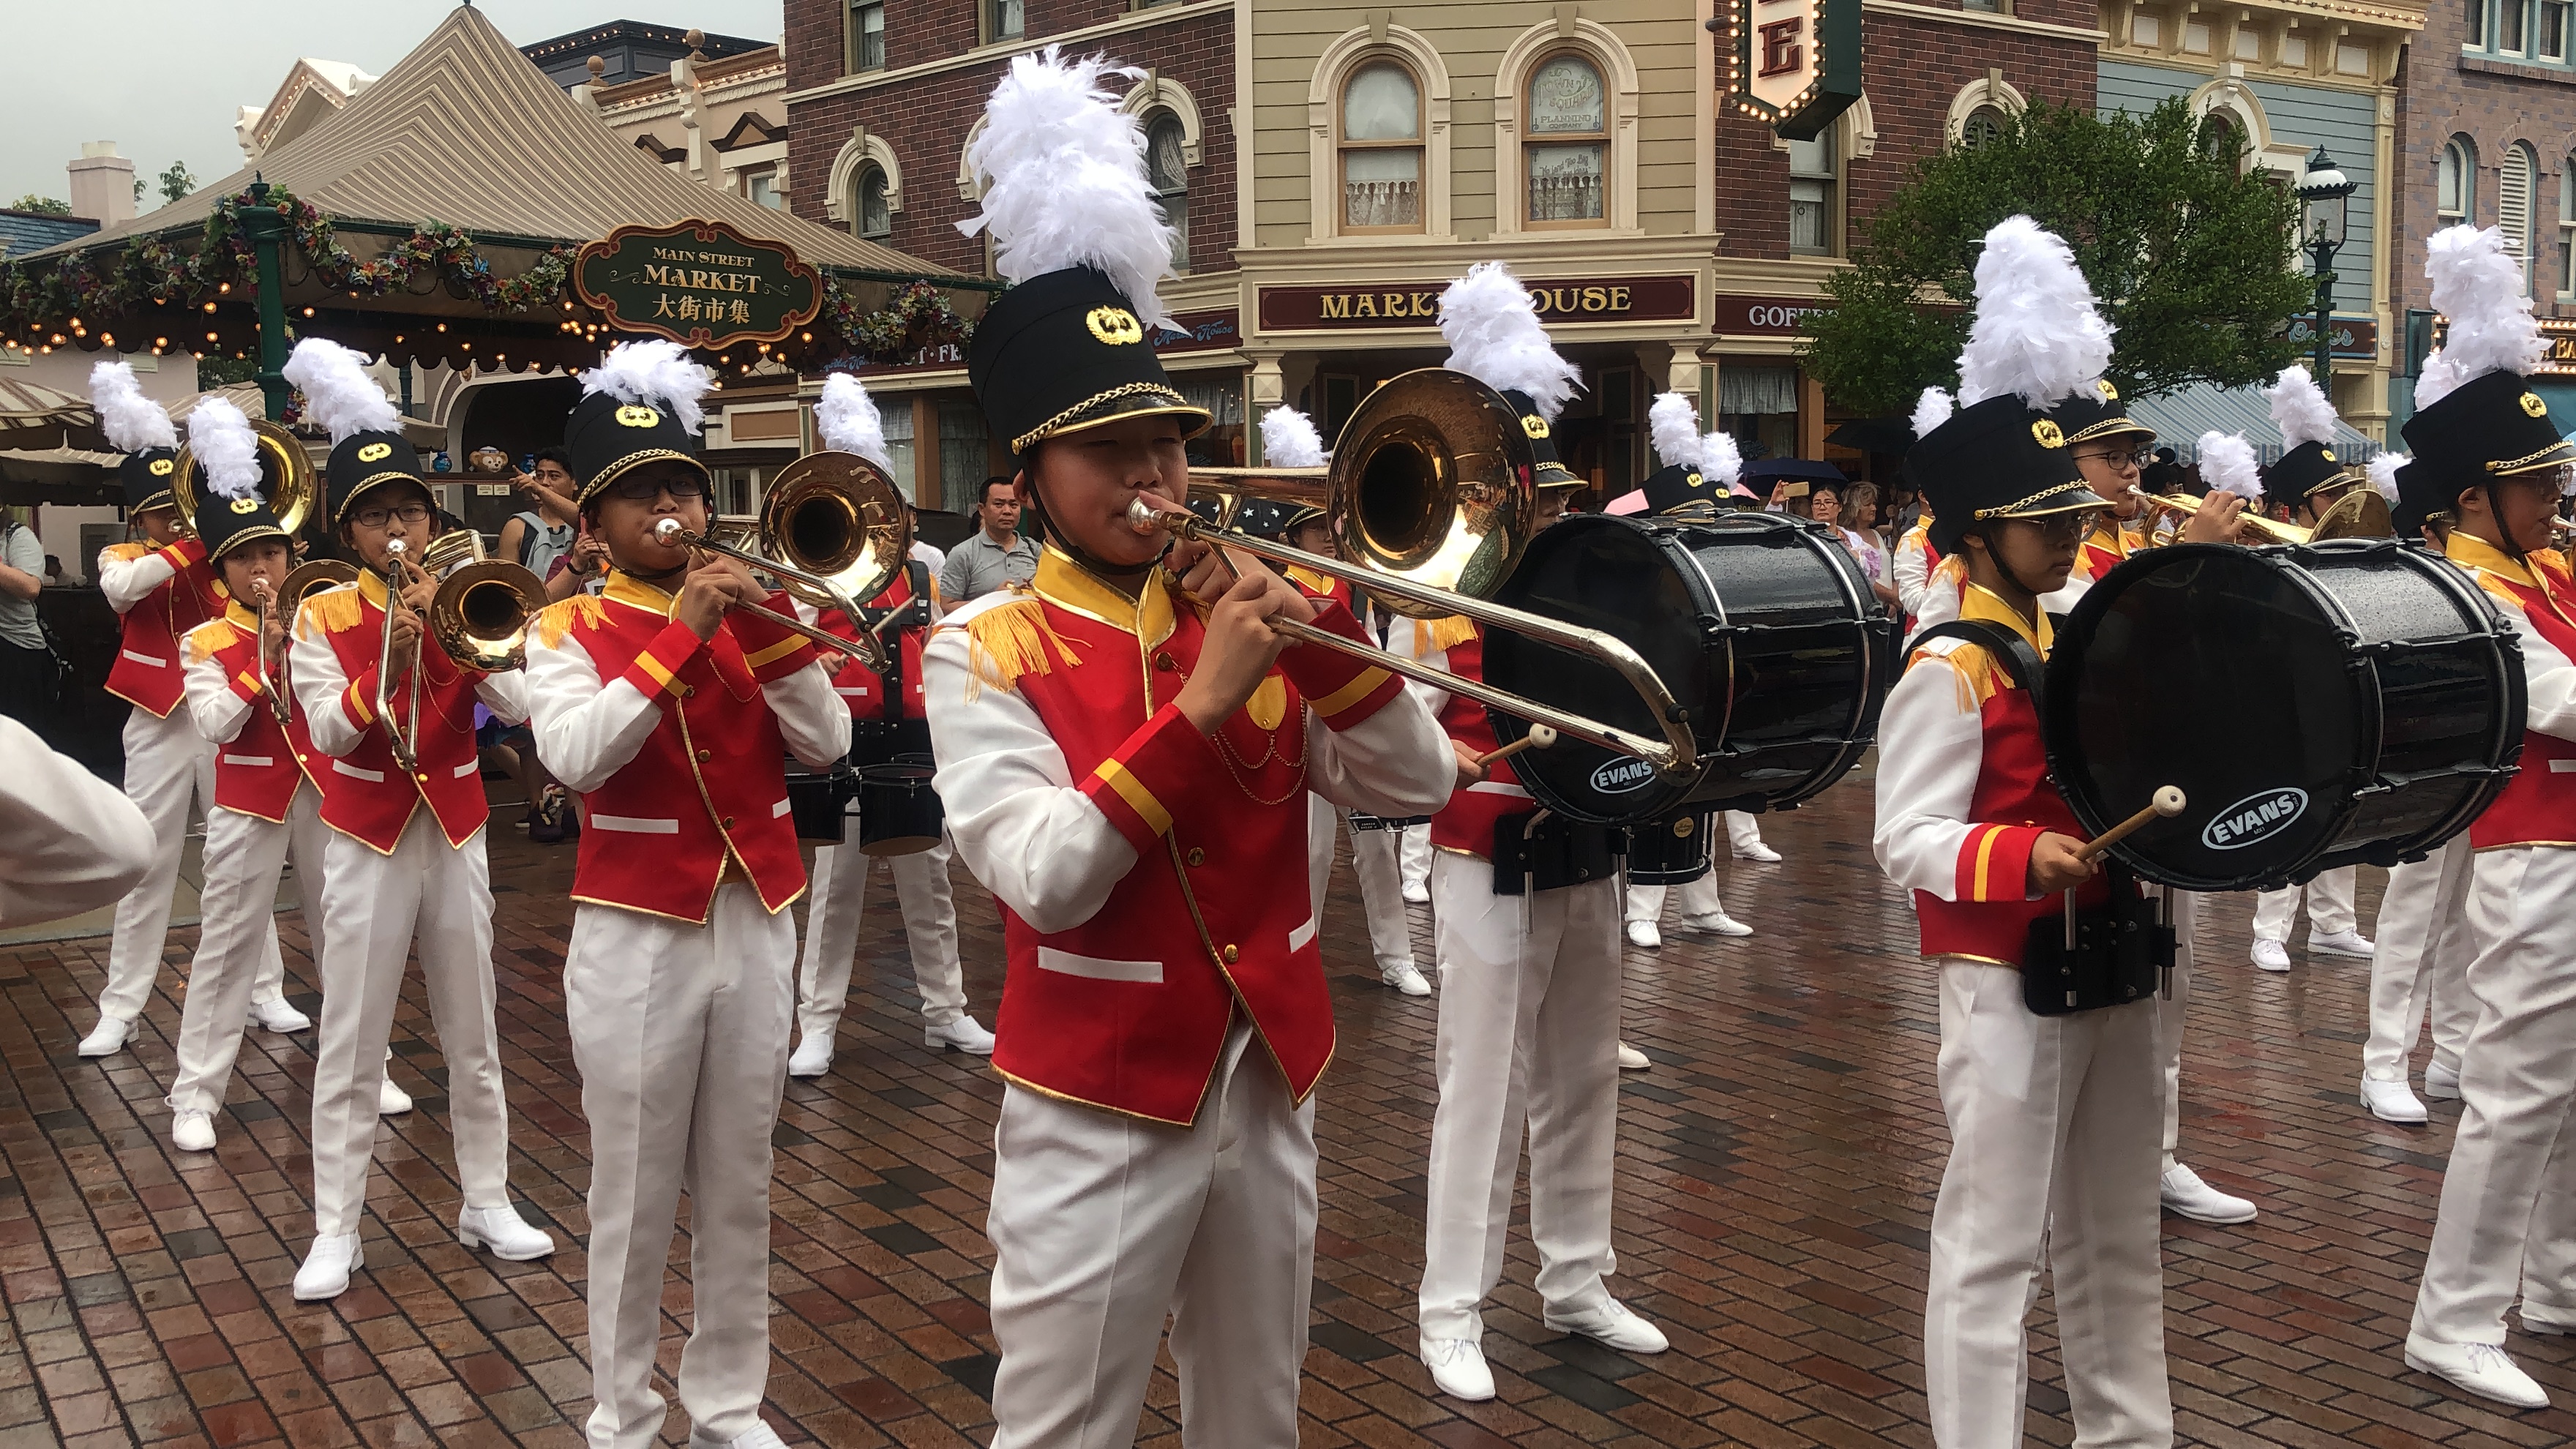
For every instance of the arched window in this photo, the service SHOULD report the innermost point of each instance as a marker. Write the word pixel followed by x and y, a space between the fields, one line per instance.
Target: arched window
pixel 1381 148
pixel 2220 137
pixel 2513 206
pixel 872 217
pixel 2455 184
pixel 1984 125
pixel 1167 171
pixel 1568 152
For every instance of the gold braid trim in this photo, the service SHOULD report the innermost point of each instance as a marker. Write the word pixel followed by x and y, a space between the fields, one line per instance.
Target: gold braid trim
pixel 332 611
pixel 1039 434
pixel 2007 510
pixel 1009 640
pixel 555 620
pixel 2512 465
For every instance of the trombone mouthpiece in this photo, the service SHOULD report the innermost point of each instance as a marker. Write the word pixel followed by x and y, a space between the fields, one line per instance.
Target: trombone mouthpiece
pixel 668 530
pixel 396 547
pixel 1142 517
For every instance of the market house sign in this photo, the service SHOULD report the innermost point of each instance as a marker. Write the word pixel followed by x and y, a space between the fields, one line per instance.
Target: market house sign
pixel 1582 299
pixel 1792 64
pixel 699 283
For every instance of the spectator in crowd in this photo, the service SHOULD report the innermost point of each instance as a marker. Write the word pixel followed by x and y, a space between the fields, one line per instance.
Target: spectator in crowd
pixel 26 665
pixel 1859 525
pixel 54 571
pixel 995 556
pixel 582 571
pixel 546 529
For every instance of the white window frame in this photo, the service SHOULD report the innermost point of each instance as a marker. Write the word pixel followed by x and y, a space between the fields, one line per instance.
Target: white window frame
pixel 1348 52
pixel 841 188
pixel 1521 59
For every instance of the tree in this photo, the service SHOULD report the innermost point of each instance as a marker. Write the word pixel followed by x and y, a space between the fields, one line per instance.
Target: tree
pixel 42 205
pixel 2190 254
pixel 176 182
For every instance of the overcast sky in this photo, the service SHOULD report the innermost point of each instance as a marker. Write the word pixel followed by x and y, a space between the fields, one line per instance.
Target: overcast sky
pixel 164 78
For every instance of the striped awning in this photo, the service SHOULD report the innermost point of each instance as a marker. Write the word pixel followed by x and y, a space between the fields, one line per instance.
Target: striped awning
pixel 31 404
pixel 2179 419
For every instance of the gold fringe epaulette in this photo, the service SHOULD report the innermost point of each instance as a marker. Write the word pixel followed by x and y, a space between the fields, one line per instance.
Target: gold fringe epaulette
pixel 556 619
pixel 332 611
pixel 1444 633
pixel 1978 675
pixel 1009 640
pixel 125 552
pixel 208 640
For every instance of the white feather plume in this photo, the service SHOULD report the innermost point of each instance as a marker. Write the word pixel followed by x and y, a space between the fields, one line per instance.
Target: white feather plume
pixel 221 441
pixel 658 373
pixel 339 397
pixel 1721 459
pixel 1492 327
pixel 2228 465
pixel 2478 286
pixel 2038 334
pixel 848 420
pixel 2299 406
pixel 1289 439
pixel 2383 473
pixel 1930 411
pixel 1673 423
pixel 131 421
pixel 1063 171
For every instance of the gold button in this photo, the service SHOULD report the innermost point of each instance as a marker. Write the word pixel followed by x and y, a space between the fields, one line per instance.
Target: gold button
pixel 423 777
pixel 728 822
pixel 1165 661
pixel 1230 954
pixel 1196 856
pixel 706 754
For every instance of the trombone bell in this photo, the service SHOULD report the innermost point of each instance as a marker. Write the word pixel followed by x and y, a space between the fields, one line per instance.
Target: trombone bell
pixel 481 612
pixel 1434 481
pixel 837 525
pixel 2360 513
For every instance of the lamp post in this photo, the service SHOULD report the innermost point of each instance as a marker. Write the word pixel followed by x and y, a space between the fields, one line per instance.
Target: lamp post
pixel 2322 193
pixel 267 231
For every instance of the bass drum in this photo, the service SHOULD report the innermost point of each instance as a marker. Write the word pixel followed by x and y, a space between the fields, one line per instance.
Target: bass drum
pixel 1670 852
pixel 1763 627
pixel 2320 705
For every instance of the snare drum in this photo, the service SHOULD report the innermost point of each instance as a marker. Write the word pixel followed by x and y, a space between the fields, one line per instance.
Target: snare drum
pixel 1381 822
pixel 818 801
pixel 1764 628
pixel 1670 852
pixel 2320 705
pixel 899 814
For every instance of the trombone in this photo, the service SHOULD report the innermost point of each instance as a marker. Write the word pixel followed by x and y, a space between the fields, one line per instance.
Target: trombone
pixel 834 531
pixel 478 618
pixel 2360 513
pixel 394 735
pixel 288 597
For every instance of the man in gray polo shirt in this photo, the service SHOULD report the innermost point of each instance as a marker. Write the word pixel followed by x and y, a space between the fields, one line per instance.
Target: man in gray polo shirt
pixel 995 557
pixel 26 665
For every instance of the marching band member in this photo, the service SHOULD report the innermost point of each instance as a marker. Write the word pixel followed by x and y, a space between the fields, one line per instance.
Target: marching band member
pixel 161 588
pixel 885 712
pixel 2050 1155
pixel 405 857
pixel 671 711
pixel 1945 576
pixel 235 668
pixel 2488 463
pixel 69 841
pixel 1529 980
pixel 1124 761
pixel 2105 443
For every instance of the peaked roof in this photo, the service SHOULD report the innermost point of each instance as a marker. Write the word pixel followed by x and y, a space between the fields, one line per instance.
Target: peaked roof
pixel 468 131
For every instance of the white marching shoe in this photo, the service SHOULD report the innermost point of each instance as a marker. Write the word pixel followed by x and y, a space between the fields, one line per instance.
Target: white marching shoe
pixel 2391 1101
pixel 326 1269
pixel 107 1038
pixel 1633 1060
pixel 2441 1083
pixel 1612 1326
pixel 1720 924
pixel 965 1033
pixel 813 1055
pixel 1418 895
pixel 1406 978
pixel 2546 1323
pixel 391 1101
pixel 192 1132
pixel 1758 851
pixel 2481 1368
pixel 503 1233
pixel 1458 1368
pixel 2185 1194
pixel 758 1436
pixel 1645 933
pixel 276 1015
pixel 2340 943
pixel 2271 955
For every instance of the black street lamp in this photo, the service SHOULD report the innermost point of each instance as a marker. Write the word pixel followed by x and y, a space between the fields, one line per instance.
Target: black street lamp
pixel 2322 193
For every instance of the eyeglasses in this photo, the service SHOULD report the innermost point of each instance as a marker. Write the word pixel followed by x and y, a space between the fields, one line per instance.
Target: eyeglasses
pixel 2138 459
pixel 645 490
pixel 2064 527
pixel 379 517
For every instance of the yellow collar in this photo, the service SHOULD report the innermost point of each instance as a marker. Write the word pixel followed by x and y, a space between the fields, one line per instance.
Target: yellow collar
pixel 1980 602
pixel 1309 580
pixel 636 594
pixel 2112 539
pixel 2477 553
pixel 240 616
pixel 371 586
pixel 1068 585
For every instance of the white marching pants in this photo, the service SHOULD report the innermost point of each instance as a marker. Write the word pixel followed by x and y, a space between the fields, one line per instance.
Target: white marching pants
pixel 2049 1156
pixel 1701 907
pixel 1373 860
pixel 1743 831
pixel 2423 947
pixel 167 766
pixel 2329 906
pixel 1102 1224
pixel 2170 1010
pixel 1415 854
pixel 372 906
pixel 680 1032
pixel 2508 1219
pixel 1529 1034
pixel 840 902
pixel 244 857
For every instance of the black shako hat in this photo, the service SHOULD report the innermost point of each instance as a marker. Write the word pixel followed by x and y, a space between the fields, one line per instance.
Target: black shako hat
pixel 1550 471
pixel 226 524
pixel 1262 517
pixel 2096 412
pixel 609 437
pixel 2490 427
pixel 1674 488
pixel 365 461
pixel 146 476
pixel 2001 458
pixel 1065 351
pixel 2301 472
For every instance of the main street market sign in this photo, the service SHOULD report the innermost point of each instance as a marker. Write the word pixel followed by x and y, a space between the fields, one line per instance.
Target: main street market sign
pixel 699 283
pixel 1792 64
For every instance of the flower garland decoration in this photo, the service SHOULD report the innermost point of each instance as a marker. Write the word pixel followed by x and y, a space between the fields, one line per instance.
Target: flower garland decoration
pixel 918 317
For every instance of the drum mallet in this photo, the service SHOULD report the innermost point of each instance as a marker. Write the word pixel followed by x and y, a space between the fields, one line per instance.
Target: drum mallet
pixel 1540 737
pixel 2167 802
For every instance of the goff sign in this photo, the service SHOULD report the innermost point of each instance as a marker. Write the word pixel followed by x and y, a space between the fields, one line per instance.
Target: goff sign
pixel 1792 63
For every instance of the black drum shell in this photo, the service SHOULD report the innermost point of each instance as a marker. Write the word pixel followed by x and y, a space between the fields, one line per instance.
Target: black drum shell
pixel 899 812
pixel 2321 705
pixel 1671 852
pixel 1763 626
pixel 818 801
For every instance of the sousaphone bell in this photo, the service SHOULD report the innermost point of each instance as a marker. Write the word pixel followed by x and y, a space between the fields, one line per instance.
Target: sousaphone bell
pixel 287 480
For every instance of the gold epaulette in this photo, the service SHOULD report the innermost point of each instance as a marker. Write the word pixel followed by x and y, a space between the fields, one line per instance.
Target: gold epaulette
pixel 1979 676
pixel 1008 640
pixel 126 552
pixel 219 635
pixel 555 620
pixel 1444 633
pixel 2503 592
pixel 332 611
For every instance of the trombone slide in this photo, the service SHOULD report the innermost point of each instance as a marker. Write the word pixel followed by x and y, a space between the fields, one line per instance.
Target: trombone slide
pixel 865 647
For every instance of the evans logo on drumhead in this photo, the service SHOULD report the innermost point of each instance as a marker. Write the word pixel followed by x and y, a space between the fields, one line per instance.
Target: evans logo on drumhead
pixel 2255 819
pixel 1618 777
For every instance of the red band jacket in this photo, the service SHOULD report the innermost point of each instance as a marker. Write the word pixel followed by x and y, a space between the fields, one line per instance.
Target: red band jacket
pixel 259 763
pixel 160 593
pixel 2539 601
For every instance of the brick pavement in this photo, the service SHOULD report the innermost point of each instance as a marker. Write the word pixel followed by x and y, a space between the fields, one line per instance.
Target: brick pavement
pixel 1776 1176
